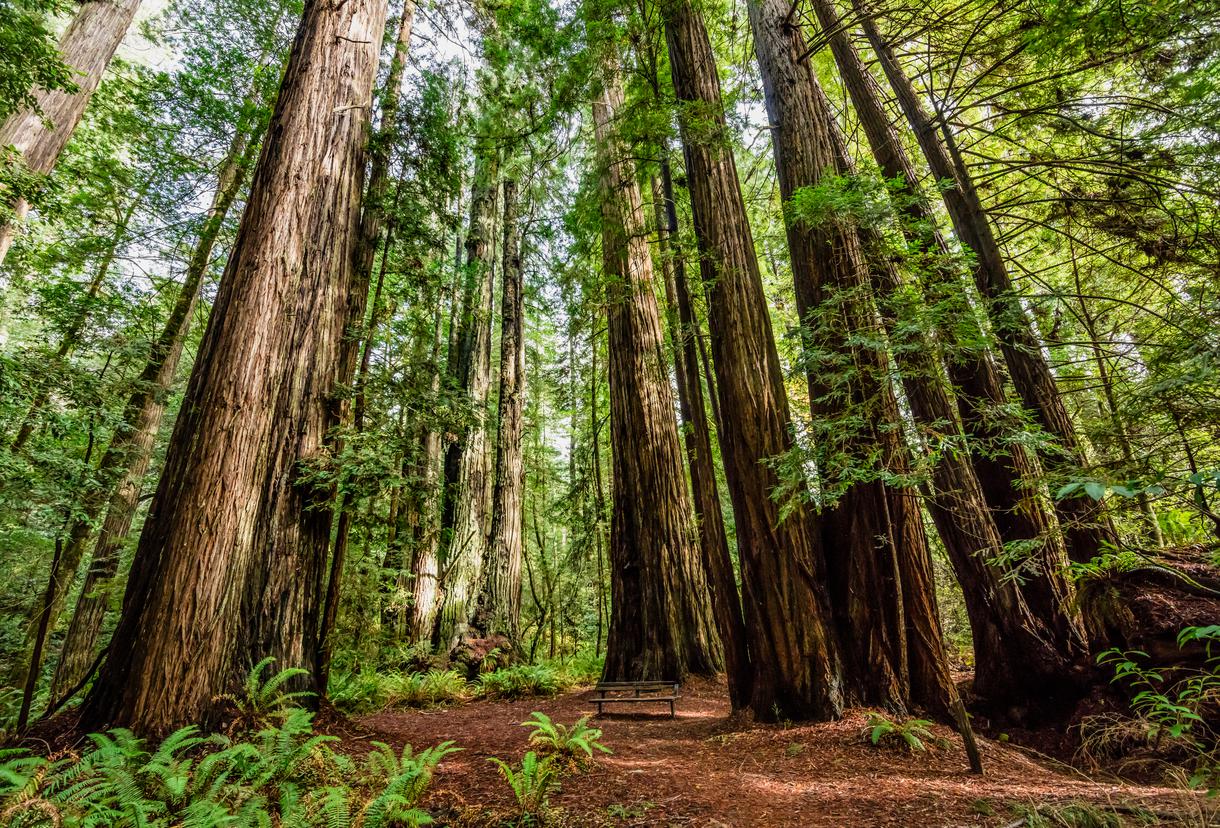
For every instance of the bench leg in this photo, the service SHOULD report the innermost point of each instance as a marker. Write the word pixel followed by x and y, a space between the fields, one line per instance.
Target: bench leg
pixel 671 710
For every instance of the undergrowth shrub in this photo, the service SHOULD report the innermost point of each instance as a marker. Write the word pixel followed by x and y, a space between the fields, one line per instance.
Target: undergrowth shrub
pixel 522 681
pixel 913 734
pixel 532 782
pixel 283 775
pixel 575 741
pixel 1172 716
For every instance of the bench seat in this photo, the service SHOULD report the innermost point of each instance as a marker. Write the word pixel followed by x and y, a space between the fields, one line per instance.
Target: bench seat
pixel 610 692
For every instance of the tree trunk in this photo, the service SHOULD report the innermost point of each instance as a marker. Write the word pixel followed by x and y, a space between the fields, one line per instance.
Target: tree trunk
pixel 1084 522
pixel 468 472
pixel 786 607
pixel 357 332
pixel 123 466
pixel 1045 641
pixel 661 625
pixel 713 541
pixel 229 565
pixel 41 134
pixel 498 609
pixel 880 576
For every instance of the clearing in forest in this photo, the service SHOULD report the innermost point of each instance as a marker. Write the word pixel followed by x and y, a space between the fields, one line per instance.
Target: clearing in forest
pixel 705 768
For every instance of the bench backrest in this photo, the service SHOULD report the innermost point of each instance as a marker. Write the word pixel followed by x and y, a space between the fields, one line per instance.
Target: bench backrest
pixel 637 685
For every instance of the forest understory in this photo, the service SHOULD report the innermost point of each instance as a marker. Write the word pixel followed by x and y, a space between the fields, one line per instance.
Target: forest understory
pixel 381 379
pixel 708 768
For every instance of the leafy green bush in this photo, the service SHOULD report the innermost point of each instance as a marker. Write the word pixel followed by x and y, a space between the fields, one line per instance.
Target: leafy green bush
pixel 1169 707
pixel 568 740
pixel 522 681
pixel 282 775
pixel 532 783
pixel 914 734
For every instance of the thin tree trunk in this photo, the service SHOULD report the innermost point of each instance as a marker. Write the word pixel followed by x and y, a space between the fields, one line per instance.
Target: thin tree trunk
pixel 661 623
pixel 230 562
pixel 498 608
pixel 713 541
pixel 468 466
pixel 425 563
pixel 786 608
pixel 123 466
pixel 40 134
pixel 72 335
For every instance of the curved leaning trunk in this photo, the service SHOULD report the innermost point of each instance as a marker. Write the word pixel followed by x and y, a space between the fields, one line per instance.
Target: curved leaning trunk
pixel 229 565
pixel 1044 633
pixel 40 135
pixel 661 625
pixel 1085 524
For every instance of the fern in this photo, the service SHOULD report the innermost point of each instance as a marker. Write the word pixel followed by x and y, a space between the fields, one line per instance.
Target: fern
pixel 914 734
pixel 569 740
pixel 532 783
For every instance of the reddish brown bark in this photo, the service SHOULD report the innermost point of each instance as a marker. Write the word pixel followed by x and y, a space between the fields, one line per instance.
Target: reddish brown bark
pixel 41 134
pixel 713 541
pixel 498 609
pixel 1084 522
pixel 786 608
pixel 661 623
pixel 229 565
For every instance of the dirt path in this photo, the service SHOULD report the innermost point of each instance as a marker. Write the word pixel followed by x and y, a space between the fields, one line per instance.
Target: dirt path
pixel 705 769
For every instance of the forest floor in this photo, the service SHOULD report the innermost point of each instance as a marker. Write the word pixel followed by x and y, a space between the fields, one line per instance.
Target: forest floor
pixel 705 768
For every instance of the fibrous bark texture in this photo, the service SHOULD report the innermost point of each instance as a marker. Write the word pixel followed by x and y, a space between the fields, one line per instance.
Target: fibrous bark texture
pixel 229 565
pixel 661 624
pixel 41 134
pixel 787 610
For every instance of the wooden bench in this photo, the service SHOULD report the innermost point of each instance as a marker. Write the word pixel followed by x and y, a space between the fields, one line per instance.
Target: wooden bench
pixel 635 692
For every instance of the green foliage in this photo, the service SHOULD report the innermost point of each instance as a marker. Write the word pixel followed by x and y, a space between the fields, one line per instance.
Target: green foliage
pixel 1170 704
pixel 576 741
pixel 284 775
pixel 532 783
pixel 29 59
pixel 1078 815
pixel 913 734
pixel 264 699
pixel 522 681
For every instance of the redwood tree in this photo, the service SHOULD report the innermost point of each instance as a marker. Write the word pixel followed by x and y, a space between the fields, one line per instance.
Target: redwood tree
pixel 230 561
pixel 661 625
pixel 787 610
pixel 498 608
pixel 40 133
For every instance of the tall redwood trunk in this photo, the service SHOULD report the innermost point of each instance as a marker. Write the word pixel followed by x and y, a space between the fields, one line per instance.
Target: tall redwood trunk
pixel 498 609
pixel 125 462
pixel 41 134
pixel 357 333
pixel 229 565
pixel 468 463
pixel 1006 474
pixel 880 571
pixel 1085 524
pixel 713 541
pixel 786 607
pixel 661 624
